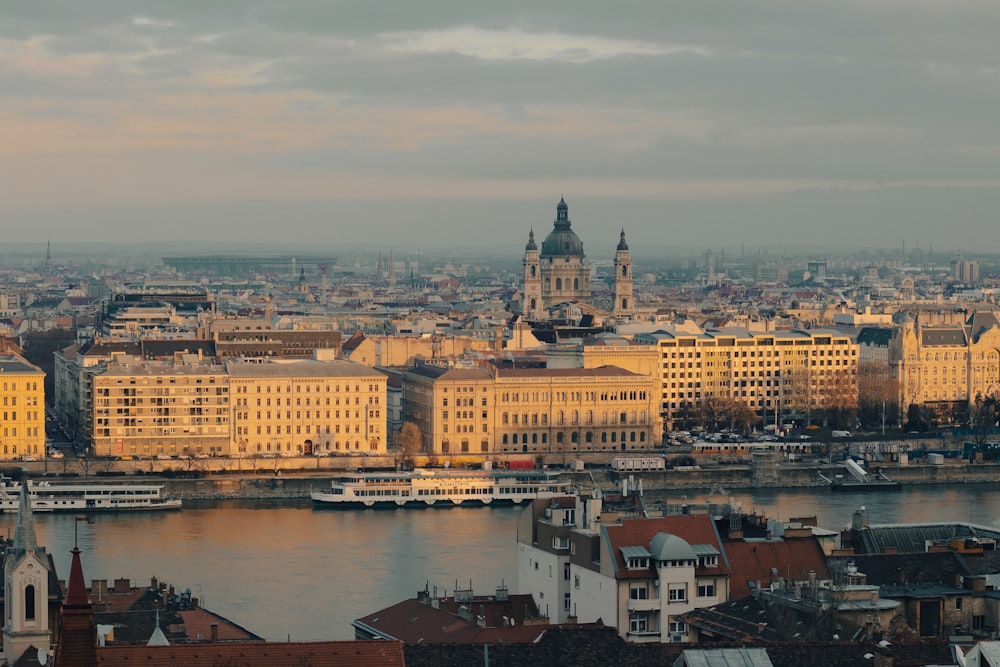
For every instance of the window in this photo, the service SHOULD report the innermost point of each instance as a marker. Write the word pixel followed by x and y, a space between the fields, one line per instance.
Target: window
pixel 576 582
pixel 678 626
pixel 958 603
pixel 560 542
pixel 567 601
pixel 29 602
pixel 978 622
pixel 637 563
pixel 566 571
pixel 706 590
pixel 677 593
pixel 638 623
pixel 638 592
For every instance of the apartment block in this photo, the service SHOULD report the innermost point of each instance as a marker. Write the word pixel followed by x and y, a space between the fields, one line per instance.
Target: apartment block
pixel 22 397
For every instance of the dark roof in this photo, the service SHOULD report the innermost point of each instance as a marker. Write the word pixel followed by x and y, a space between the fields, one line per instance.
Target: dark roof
pixel 908 568
pixel 942 336
pixel 875 336
pixel 160 349
pixel 913 538
pixel 258 654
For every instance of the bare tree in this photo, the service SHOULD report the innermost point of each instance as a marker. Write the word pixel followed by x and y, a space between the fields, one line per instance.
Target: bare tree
pixel 878 394
pixel 984 417
pixel 408 442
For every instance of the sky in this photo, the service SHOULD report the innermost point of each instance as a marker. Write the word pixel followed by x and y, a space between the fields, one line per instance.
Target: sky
pixel 448 123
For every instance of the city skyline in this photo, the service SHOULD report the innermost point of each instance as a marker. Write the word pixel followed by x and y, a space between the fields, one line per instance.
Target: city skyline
pixel 451 126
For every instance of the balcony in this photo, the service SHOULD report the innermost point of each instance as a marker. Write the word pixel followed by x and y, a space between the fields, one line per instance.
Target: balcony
pixel 643 636
pixel 648 604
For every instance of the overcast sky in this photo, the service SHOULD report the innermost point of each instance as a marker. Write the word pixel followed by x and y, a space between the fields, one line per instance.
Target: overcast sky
pixel 457 123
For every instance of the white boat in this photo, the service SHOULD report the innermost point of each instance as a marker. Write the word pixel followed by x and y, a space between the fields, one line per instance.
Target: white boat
pixel 80 497
pixel 435 488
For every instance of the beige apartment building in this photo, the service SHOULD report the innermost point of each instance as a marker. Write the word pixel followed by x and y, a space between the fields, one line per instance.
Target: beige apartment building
pixel 22 405
pixel 481 410
pixel 777 374
pixel 305 407
pixel 158 408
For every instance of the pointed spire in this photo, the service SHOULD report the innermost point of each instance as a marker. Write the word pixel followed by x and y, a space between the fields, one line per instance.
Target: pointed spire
pixel 531 241
pixel 76 590
pixel 622 245
pixel 24 532
pixel 158 638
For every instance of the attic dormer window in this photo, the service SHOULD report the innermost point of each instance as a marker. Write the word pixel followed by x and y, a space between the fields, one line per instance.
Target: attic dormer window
pixel 637 563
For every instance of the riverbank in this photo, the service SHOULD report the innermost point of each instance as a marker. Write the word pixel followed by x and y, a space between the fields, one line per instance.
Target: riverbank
pixel 794 475
pixel 296 478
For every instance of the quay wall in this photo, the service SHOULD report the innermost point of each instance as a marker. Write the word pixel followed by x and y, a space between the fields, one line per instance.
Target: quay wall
pixel 292 486
pixel 295 478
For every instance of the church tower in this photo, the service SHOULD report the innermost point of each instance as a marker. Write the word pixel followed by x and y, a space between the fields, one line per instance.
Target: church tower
pixel 26 587
pixel 531 302
pixel 624 306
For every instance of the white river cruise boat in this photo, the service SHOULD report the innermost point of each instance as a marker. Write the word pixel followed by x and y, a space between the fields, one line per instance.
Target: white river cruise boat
pixel 80 497
pixel 439 488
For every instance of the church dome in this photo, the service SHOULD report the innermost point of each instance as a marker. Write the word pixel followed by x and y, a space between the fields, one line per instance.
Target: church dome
pixel 621 243
pixel 562 241
pixel 531 245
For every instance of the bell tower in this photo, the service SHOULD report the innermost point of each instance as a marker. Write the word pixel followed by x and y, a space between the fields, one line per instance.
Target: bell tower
pixel 26 592
pixel 532 305
pixel 624 306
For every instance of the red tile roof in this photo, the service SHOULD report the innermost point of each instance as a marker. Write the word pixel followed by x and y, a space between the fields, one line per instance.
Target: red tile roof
pixel 693 529
pixel 791 559
pixel 198 622
pixel 270 654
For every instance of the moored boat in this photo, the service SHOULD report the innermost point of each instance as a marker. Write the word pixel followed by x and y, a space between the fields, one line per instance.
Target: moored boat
pixel 434 488
pixel 83 497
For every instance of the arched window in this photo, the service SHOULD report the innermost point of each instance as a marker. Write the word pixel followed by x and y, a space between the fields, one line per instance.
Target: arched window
pixel 558 284
pixel 624 304
pixel 524 438
pixel 574 437
pixel 532 270
pixel 465 445
pixel 484 446
pixel 559 437
pixel 614 437
pixel 445 446
pixel 29 602
pixel 533 304
pixel 576 283
pixel 604 437
pixel 504 439
pixel 624 270
pixel 589 437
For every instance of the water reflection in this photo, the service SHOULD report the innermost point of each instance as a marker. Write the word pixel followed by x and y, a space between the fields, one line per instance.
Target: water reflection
pixel 284 569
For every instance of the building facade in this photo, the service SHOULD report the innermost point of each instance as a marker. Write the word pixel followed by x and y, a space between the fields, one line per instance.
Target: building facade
pixel 22 405
pixel 307 407
pixel 776 374
pixel 157 408
pixel 479 410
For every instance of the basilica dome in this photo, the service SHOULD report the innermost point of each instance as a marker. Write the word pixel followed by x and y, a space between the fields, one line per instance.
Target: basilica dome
pixel 562 241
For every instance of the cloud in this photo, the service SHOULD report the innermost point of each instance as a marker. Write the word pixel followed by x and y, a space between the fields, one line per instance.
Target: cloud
pixel 151 22
pixel 515 44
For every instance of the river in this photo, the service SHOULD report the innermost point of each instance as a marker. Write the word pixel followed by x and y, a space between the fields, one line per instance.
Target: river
pixel 286 570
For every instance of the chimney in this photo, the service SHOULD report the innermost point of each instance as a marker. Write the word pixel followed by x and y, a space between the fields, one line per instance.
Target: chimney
pixel 122 586
pixel 215 632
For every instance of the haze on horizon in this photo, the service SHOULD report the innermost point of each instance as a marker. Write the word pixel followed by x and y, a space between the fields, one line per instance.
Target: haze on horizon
pixel 445 124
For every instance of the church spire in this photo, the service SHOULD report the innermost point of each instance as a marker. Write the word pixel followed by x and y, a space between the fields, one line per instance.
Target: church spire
pixel 24 533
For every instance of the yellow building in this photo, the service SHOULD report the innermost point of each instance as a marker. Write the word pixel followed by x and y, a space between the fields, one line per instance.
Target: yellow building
pixel 944 367
pixel 22 396
pixel 475 410
pixel 157 408
pixel 304 407
pixel 776 374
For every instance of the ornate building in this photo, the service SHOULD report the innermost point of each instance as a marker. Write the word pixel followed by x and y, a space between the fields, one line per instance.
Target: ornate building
pixel 559 272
